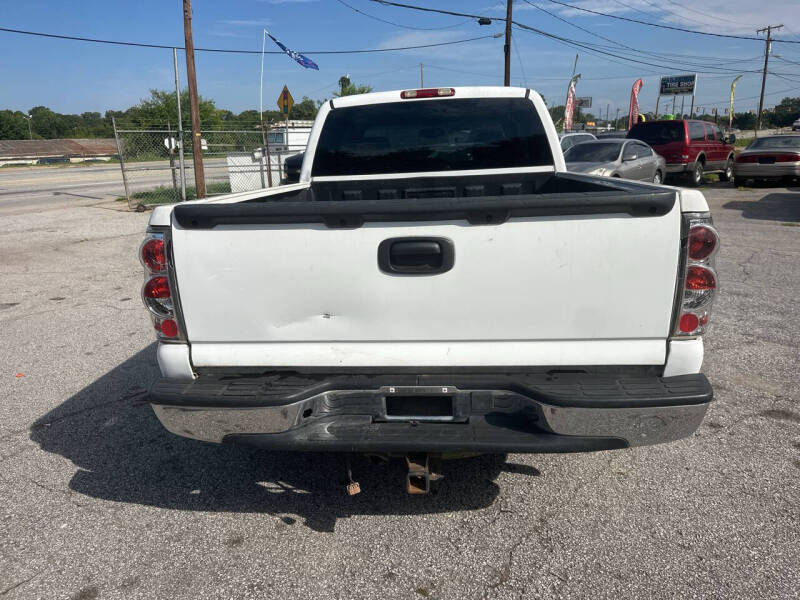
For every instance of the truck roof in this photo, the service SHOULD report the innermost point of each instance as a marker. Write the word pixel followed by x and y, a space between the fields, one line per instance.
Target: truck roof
pixel 460 92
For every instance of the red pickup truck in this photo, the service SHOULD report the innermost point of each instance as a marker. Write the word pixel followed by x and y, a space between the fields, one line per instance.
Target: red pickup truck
pixel 691 148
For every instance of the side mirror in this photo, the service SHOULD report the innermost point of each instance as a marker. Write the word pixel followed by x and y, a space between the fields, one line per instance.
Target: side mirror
pixel 630 157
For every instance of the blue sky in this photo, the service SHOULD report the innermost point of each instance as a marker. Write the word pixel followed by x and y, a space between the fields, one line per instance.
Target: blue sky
pixel 71 76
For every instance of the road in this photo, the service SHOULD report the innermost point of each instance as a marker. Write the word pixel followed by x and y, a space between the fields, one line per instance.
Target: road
pixel 98 501
pixel 45 188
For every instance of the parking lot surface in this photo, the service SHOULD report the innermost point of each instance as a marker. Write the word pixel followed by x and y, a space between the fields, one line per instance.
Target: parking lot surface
pixel 98 501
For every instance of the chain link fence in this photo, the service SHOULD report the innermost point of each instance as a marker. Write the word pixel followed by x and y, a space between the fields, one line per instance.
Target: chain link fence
pixel 158 168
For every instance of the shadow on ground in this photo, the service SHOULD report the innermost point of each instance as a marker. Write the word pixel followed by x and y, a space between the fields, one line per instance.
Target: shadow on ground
pixel 779 206
pixel 123 454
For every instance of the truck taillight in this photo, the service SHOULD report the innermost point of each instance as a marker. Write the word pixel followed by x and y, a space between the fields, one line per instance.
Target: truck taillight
pixel 157 292
pixel 698 278
pixel 153 254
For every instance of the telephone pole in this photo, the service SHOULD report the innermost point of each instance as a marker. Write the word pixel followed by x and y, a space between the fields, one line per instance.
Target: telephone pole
pixel 768 29
pixel 421 80
pixel 194 105
pixel 507 47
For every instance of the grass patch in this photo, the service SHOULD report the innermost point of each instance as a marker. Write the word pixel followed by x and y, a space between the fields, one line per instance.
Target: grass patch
pixel 744 188
pixel 791 224
pixel 166 194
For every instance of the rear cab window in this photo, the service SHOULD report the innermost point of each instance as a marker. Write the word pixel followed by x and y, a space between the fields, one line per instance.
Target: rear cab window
pixel 431 135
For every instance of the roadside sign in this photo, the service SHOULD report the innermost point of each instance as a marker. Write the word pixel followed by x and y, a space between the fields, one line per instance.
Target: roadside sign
pixel 171 143
pixel 583 101
pixel 677 85
pixel 285 101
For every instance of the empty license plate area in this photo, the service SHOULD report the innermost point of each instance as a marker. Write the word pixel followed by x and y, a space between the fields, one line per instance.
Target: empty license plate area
pixel 766 160
pixel 425 404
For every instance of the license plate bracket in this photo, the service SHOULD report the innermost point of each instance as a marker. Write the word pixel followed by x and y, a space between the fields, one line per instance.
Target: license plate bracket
pixel 443 404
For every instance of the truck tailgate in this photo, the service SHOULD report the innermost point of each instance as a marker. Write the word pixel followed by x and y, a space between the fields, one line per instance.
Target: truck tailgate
pixel 533 290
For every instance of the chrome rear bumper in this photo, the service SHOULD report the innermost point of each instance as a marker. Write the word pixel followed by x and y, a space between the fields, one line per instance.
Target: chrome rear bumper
pixel 758 171
pixel 538 416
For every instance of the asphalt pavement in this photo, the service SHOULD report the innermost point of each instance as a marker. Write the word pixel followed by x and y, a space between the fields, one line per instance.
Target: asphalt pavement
pixel 97 500
pixel 23 189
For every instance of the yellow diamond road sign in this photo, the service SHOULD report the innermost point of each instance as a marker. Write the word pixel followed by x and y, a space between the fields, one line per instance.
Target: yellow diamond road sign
pixel 285 101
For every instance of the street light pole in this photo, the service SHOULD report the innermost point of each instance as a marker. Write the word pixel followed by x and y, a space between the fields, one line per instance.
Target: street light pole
pixel 30 131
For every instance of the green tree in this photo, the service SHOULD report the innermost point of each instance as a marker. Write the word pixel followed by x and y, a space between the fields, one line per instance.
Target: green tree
pixel 49 124
pixel 306 109
pixel 13 125
pixel 162 108
pixel 348 88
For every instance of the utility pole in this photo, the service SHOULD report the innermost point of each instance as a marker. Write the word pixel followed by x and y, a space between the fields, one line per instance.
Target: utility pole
pixel 507 46
pixel 616 120
pixel 194 105
pixel 421 84
pixel 767 49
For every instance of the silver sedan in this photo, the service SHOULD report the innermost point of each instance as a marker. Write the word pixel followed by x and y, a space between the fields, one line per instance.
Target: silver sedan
pixel 773 157
pixel 629 159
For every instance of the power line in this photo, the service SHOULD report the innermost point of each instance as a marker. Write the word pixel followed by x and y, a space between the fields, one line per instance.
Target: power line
pixel 474 16
pixel 659 25
pixel 233 51
pixel 594 49
pixel 660 55
pixel 373 17
pixel 699 12
pixel 633 8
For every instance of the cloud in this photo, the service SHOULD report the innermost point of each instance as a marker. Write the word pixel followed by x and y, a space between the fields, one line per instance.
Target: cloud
pixel 740 17
pixel 229 34
pixel 245 22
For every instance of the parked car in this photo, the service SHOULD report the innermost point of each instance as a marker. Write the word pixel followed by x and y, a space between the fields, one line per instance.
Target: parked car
pixel 690 148
pixel 628 159
pixel 436 283
pixel 773 157
pixel 612 134
pixel 291 168
pixel 568 140
pixel 796 125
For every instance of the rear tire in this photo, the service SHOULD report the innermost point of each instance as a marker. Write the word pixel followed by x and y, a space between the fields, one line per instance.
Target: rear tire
pixel 727 174
pixel 658 178
pixel 696 176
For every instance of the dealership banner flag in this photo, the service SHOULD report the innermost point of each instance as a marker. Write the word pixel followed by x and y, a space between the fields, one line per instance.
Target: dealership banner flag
pixel 633 115
pixel 302 60
pixel 569 108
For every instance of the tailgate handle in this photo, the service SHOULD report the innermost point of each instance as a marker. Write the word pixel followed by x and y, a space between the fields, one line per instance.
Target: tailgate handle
pixel 416 255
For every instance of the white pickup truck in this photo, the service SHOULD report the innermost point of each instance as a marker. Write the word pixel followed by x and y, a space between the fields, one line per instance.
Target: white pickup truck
pixel 435 283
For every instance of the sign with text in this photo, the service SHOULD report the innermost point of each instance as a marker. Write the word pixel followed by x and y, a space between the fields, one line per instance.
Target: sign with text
pixel 677 85
pixel 583 101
